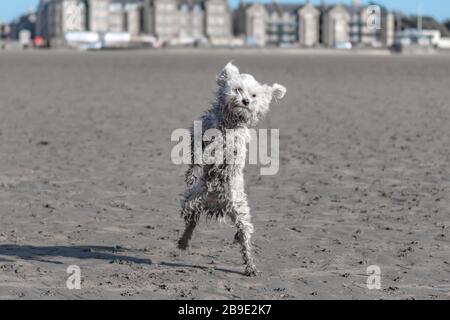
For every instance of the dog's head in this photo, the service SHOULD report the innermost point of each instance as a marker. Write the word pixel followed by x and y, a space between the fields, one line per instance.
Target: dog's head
pixel 243 98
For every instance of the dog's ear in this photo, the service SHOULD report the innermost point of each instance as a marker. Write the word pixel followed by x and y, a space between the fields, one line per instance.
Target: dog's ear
pixel 278 91
pixel 229 72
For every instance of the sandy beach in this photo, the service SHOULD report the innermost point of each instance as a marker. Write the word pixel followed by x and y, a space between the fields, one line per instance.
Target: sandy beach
pixel 86 178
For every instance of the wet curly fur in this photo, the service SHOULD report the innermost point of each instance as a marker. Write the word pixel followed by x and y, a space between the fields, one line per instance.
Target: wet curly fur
pixel 217 190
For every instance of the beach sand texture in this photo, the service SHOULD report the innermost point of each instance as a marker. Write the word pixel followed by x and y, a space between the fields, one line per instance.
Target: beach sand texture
pixel 86 178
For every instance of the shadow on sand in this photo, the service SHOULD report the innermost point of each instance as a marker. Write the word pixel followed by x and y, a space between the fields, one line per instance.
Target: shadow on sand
pixel 79 252
pixel 193 266
pixel 110 254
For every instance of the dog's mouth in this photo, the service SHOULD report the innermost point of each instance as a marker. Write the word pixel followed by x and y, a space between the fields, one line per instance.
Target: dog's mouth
pixel 239 110
pixel 243 107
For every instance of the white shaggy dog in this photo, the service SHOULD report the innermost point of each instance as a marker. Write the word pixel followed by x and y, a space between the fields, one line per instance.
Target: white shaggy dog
pixel 217 190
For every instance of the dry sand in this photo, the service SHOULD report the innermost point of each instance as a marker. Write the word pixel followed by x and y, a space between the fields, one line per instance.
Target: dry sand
pixel 86 178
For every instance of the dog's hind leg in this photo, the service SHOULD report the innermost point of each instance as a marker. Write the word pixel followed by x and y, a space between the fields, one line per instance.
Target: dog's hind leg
pixel 183 243
pixel 192 208
pixel 241 218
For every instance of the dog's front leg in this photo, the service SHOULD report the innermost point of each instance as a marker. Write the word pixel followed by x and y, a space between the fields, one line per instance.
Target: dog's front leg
pixel 243 236
pixel 193 175
pixel 240 215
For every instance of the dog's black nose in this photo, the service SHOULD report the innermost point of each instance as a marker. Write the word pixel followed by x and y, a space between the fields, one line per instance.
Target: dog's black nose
pixel 246 102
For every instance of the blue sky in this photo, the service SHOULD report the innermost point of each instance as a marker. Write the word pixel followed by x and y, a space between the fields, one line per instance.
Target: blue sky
pixel 440 9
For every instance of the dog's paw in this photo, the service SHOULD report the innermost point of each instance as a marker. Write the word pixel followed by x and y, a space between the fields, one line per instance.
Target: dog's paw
pixel 251 271
pixel 183 245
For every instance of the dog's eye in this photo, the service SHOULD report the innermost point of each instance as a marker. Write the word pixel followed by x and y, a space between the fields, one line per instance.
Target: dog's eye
pixel 254 95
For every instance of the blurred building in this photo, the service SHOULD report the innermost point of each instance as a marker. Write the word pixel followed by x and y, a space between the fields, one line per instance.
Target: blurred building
pixel 282 24
pixel 370 28
pixel 4 31
pixel 427 23
pixel 250 22
pixel 309 25
pixel 42 19
pixel 191 19
pixel 98 15
pixel 171 21
pixel 277 24
pixel 336 26
pixel 387 32
pixel 56 17
pixel 24 22
pixel 162 16
pixel 185 22
pixel 218 21
pixel 413 32
pixel 125 16
pixel 178 21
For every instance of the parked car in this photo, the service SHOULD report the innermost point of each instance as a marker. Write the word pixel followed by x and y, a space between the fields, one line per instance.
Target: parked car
pixel 343 45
